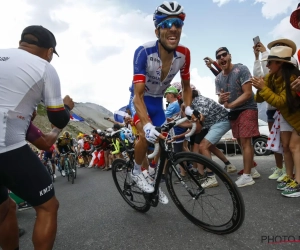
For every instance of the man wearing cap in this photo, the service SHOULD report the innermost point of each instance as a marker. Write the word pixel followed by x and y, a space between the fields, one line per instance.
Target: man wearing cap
pixel 295 22
pixel 234 89
pixel 26 78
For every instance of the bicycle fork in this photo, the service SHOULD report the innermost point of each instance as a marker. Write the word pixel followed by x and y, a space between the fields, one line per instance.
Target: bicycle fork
pixel 200 189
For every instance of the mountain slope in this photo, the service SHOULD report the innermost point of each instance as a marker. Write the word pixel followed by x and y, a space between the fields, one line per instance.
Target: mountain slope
pixel 93 115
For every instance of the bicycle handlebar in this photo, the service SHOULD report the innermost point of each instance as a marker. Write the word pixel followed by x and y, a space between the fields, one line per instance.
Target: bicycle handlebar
pixel 166 128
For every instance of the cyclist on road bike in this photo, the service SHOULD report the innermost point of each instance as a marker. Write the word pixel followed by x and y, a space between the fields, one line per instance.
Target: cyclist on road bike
pixel 27 77
pixel 65 145
pixel 49 155
pixel 155 65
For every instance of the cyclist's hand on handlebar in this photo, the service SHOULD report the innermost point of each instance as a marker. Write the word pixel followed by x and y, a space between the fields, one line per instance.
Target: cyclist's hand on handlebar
pixel 151 133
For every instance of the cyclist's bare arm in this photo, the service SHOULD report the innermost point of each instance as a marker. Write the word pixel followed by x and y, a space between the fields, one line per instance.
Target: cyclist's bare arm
pixel 187 92
pixel 40 140
pixel 139 103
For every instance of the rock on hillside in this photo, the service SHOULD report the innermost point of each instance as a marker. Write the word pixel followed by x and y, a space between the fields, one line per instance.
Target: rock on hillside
pixel 92 113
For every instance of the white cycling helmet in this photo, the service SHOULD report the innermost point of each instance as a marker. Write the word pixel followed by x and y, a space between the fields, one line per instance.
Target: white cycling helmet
pixel 98 131
pixel 128 134
pixel 168 9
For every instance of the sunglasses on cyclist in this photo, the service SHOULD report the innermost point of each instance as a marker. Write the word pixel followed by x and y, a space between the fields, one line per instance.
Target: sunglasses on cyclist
pixel 220 56
pixel 168 23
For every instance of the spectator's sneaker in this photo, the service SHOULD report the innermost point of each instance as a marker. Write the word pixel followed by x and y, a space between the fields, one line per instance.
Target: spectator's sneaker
pixel 63 173
pixel 24 206
pixel 285 182
pixel 142 183
pixel 230 168
pixel 276 174
pixel 162 198
pixel 244 180
pixel 292 190
pixel 54 176
pixel 280 178
pixel 21 232
pixel 210 182
pixel 254 173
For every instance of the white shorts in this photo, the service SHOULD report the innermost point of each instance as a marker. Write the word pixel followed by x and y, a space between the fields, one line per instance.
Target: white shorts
pixel 284 126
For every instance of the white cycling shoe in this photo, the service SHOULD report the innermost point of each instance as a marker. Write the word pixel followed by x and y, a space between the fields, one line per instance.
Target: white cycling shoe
pixel 142 183
pixel 162 198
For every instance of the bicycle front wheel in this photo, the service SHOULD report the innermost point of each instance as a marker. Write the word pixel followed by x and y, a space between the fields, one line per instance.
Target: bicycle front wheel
pixel 121 172
pixel 219 209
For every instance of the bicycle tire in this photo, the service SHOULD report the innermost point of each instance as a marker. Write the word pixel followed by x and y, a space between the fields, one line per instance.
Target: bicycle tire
pixel 50 171
pixel 238 214
pixel 70 170
pixel 127 194
pixel 67 170
pixel 75 167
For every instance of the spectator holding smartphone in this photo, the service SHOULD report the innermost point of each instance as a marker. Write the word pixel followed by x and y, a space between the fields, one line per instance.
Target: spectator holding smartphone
pixel 260 69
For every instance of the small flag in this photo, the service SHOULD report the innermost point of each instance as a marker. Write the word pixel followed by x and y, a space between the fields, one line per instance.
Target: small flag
pixel 76 118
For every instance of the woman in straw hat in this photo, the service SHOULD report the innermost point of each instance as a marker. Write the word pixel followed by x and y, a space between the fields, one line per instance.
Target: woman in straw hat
pixel 276 90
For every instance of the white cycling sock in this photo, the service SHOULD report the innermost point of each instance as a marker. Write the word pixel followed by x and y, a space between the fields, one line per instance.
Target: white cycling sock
pixel 137 169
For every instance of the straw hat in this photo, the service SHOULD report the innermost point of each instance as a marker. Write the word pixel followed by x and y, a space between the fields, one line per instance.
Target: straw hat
pixel 288 43
pixel 280 54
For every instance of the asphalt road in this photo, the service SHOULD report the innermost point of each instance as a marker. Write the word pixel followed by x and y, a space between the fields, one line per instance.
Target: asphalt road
pixel 93 215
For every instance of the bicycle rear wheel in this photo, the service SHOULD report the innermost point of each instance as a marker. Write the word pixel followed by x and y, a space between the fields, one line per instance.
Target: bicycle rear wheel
pixel 219 210
pixel 121 172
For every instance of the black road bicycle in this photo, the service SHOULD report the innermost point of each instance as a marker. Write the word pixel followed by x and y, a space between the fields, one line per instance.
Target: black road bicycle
pixel 219 210
pixel 47 163
pixel 70 166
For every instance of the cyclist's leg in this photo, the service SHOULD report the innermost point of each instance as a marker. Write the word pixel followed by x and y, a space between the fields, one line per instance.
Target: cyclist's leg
pixel 34 185
pixel 140 148
pixel 53 165
pixel 9 233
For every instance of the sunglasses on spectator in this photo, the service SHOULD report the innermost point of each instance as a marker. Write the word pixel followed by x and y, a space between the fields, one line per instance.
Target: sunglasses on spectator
pixel 168 23
pixel 220 56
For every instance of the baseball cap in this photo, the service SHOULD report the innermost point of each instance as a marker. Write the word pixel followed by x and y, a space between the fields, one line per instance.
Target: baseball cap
pixel 45 37
pixel 222 49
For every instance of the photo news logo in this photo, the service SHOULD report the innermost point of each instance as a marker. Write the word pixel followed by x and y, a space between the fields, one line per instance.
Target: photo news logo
pixel 279 239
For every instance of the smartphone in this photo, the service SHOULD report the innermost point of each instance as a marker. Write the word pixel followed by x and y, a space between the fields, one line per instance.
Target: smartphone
pixel 106 118
pixel 206 59
pixel 256 40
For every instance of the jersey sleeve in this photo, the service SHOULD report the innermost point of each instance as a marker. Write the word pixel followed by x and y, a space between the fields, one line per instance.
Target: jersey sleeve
pixel 185 70
pixel 51 92
pixel 139 65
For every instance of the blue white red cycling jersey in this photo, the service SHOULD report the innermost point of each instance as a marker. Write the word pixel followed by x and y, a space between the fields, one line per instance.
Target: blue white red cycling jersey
pixel 147 68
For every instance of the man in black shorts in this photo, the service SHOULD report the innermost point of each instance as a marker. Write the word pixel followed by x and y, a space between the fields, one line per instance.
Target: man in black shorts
pixel 26 78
